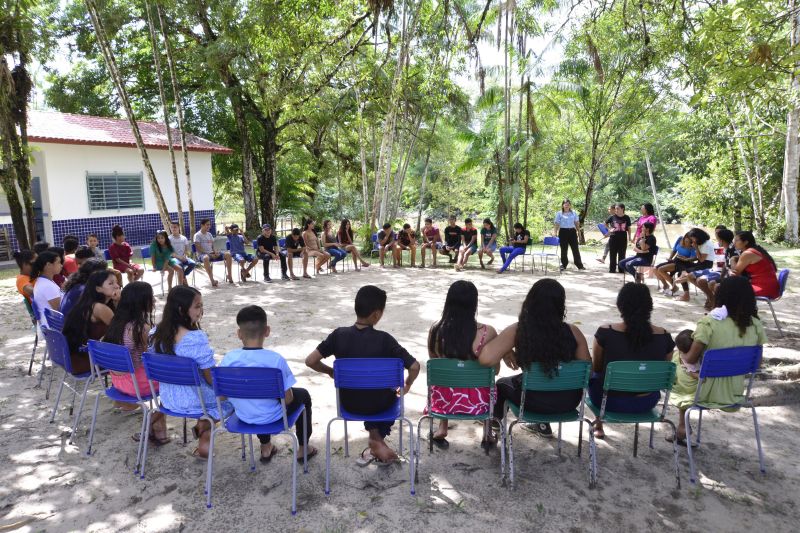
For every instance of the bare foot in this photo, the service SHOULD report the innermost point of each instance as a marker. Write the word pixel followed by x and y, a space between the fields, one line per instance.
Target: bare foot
pixel 381 451
pixel 683 297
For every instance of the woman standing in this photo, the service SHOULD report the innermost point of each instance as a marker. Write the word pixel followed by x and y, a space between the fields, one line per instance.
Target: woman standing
pixel 740 327
pixel 458 335
pixel 346 240
pixel 756 262
pixel 331 244
pixel 648 215
pixel 566 228
pixel 90 317
pixel 540 336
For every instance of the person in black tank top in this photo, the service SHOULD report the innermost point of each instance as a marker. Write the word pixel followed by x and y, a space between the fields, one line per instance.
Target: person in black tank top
pixel 540 336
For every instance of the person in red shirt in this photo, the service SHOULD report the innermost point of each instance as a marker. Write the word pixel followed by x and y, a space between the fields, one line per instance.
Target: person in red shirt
pixel 70 246
pixel 431 239
pixel 756 262
pixel 121 253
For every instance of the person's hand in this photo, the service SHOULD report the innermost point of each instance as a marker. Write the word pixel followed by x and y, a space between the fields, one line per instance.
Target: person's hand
pixel 115 296
pixel 510 362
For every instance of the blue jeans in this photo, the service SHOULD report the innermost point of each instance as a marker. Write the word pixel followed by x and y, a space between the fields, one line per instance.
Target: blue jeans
pixel 187 266
pixel 630 264
pixel 337 253
pixel 512 253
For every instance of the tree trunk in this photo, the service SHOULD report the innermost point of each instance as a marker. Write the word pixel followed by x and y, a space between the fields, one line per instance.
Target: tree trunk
pixel 269 182
pixel 399 190
pixel 8 180
pixel 179 117
pixel 737 204
pixel 363 155
pixel 165 109
pixel 791 159
pixel 423 184
pixel 385 162
pixel 111 64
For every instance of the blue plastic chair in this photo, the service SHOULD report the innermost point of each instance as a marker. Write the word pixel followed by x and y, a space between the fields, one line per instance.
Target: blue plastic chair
pixel 549 249
pixel 369 374
pixel 107 255
pixel 33 310
pixel 174 370
pixel 783 278
pixel 55 319
pixel 145 251
pixel 58 351
pixel 721 363
pixel 376 249
pixel 254 384
pixel 107 356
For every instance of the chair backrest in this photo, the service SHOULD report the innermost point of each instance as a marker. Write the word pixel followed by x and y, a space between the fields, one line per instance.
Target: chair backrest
pixel 37 313
pixel 228 245
pixel 55 320
pixel 248 383
pixel 282 242
pixel 783 277
pixel 111 356
pixel 726 362
pixel 639 376
pixel 550 241
pixel 571 376
pixel 457 373
pixel 368 373
pixel 107 255
pixel 145 251
pixel 171 369
pixel 57 348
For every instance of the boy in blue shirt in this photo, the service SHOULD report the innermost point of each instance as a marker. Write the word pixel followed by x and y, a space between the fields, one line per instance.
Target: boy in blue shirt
pixel 253 329
pixel 237 242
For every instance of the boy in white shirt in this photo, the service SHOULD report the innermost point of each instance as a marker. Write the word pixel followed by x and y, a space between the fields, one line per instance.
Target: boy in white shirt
pixel 181 249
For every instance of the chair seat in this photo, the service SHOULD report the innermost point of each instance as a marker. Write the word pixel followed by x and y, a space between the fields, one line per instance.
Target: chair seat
pixel 625 418
pixel 176 414
pixel 389 415
pixel 459 416
pixel 235 425
pixel 542 418
pixel 118 396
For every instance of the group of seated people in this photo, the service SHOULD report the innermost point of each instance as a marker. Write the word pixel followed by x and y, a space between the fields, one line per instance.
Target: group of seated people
pixel 541 335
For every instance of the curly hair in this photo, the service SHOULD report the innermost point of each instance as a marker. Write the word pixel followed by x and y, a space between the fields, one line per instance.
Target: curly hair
pixel 636 305
pixel 738 297
pixel 453 334
pixel 540 332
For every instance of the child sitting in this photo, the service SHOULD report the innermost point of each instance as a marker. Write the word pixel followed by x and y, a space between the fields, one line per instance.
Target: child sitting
pixel 94 245
pixel 407 240
pixel 237 243
pixel 469 237
pixel 684 343
pixel 387 240
pixel 363 341
pixel 24 259
pixel 253 329
pixel 121 253
pixel 161 252
pixel 431 239
pixel 181 249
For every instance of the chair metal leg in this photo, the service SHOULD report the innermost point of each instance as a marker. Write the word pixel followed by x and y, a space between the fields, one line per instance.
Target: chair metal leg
pixel 94 421
pixel 699 425
pixel 80 410
pixel 58 397
pixel 758 441
pixel 687 420
pixel 652 426
pixel 775 318
pixel 142 442
pixel 559 439
pixel 252 455
pixel 294 473
pixel 72 403
pixel 416 455
pixel 147 422
pixel 400 448
pixel 33 352
pixel 305 444
pixel 244 453
pixel 346 441
pixel 592 457
pixel 580 436
pixel 328 456
pixel 675 451
pixel 411 452
pixel 635 439
pixel 502 450
pixel 210 466
pixel 430 434
pixel 510 438
pixel 185 440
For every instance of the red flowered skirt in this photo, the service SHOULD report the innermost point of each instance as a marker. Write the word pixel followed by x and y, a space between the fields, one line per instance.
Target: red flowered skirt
pixel 461 401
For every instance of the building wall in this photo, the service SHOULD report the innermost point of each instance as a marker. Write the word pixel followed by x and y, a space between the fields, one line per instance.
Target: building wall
pixel 63 167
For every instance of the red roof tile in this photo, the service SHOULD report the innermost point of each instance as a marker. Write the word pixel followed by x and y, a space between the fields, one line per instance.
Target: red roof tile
pixel 67 128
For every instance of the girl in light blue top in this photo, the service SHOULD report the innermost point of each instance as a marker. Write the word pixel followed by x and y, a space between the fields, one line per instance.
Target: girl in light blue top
pixel 179 333
pixel 566 226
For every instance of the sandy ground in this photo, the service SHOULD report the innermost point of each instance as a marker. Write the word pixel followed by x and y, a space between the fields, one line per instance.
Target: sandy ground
pixel 48 485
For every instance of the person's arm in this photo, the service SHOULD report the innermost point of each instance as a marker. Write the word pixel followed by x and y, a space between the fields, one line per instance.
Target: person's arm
pixel 413 372
pixel 55 303
pixel 525 238
pixel 577 223
pixel 598 359
pixel 314 362
pixel 582 350
pixel 102 313
pixel 27 290
pixel 694 353
pixel 499 348
pixel 493 239
pixel 740 265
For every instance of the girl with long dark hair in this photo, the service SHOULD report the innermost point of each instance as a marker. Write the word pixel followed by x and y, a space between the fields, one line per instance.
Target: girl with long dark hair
pixel 73 288
pixel 345 236
pixel 542 336
pixel 90 316
pixel 648 215
pixel 179 334
pixel 45 291
pixel 734 323
pixel 633 339
pixel 566 227
pixel 755 262
pixel 162 260
pixel 458 335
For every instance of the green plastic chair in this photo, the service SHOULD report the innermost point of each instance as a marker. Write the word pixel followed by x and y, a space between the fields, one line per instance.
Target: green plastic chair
pixel 571 376
pixel 641 377
pixel 466 375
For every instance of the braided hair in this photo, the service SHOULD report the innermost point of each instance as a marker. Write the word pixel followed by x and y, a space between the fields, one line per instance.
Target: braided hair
pixel 636 305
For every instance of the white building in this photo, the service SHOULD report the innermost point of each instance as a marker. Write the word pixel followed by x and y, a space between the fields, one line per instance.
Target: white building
pixel 88 175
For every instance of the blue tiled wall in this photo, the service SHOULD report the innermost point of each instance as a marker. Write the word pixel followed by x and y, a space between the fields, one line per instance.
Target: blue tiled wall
pixel 11 235
pixel 139 229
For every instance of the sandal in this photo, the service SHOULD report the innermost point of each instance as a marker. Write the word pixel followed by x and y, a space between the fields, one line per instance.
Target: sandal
pixel 309 454
pixel 680 441
pixel 599 434
pixel 543 430
pixel 365 460
pixel 441 442
pixel 152 439
pixel 267 458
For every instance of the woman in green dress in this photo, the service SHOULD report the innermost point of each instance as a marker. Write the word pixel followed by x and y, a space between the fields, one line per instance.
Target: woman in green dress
pixel 733 323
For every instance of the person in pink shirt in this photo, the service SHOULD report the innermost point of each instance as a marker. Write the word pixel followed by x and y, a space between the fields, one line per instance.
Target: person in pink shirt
pixel 121 253
pixel 648 215
pixel 431 239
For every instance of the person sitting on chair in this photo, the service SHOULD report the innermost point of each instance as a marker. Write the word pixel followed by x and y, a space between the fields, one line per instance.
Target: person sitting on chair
pixel 645 251
pixel 452 239
pixel 387 240
pixel 469 236
pixel 431 240
pixel 268 250
pixel 237 242
pixel 407 240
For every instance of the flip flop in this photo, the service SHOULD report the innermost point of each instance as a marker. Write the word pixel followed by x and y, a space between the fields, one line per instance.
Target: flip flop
pixel 365 460
pixel 441 442
pixel 309 454
pixel 152 439
pixel 267 458
pixel 196 455
pixel 680 441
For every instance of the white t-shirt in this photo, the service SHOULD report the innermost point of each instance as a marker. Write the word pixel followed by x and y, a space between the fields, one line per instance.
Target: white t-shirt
pixel 204 242
pixel 706 249
pixel 180 245
pixel 45 290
